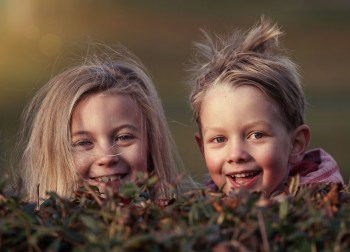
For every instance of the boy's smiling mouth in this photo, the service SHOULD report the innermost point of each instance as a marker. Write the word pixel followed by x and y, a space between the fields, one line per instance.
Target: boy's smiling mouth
pixel 243 179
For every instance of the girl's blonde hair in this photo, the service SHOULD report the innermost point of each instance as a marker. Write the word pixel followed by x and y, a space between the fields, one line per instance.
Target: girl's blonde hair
pixel 251 58
pixel 47 160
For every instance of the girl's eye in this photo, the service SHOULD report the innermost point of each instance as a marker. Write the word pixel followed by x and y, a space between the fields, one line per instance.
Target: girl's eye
pixel 124 138
pixel 219 139
pixel 83 144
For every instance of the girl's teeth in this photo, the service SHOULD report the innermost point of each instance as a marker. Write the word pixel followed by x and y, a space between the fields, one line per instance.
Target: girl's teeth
pixel 107 179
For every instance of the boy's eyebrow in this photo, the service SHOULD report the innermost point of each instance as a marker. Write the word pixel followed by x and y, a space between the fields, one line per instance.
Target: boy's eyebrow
pixel 214 128
pixel 246 125
pixel 254 123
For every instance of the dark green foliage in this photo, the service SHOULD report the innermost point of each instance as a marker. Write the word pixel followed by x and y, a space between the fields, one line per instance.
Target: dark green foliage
pixel 316 219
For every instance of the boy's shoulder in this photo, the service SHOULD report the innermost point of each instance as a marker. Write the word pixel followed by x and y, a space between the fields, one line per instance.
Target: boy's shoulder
pixel 317 166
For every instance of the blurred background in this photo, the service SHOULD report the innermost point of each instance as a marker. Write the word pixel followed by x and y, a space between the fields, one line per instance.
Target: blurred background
pixel 34 34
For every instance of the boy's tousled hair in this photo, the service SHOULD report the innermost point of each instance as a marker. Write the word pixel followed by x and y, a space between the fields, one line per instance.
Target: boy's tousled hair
pixel 251 58
pixel 47 159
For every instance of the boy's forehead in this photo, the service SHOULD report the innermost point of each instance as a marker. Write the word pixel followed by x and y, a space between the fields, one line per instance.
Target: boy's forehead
pixel 218 88
pixel 226 88
pixel 240 99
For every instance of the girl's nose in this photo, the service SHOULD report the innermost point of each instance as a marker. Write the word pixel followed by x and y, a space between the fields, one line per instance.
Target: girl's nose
pixel 236 152
pixel 107 156
pixel 107 160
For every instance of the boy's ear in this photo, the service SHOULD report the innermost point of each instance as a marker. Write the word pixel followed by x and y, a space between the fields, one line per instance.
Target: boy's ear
pixel 199 141
pixel 301 140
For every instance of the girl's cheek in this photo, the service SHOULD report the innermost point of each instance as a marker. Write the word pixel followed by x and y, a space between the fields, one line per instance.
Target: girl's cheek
pixel 82 165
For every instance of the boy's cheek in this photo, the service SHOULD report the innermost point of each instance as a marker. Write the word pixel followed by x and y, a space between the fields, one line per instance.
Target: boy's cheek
pixel 213 166
pixel 218 180
pixel 213 161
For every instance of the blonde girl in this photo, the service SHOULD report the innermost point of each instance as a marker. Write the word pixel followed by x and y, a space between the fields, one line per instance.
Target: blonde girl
pixel 102 122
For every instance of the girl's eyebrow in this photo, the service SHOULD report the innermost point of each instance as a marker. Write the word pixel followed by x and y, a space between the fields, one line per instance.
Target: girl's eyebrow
pixel 125 126
pixel 116 129
pixel 81 132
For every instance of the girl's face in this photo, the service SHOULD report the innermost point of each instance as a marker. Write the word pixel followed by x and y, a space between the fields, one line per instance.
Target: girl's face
pixel 243 140
pixel 107 140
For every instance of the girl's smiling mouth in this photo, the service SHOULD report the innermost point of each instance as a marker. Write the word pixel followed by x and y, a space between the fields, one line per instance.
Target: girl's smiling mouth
pixel 113 181
pixel 109 178
pixel 243 179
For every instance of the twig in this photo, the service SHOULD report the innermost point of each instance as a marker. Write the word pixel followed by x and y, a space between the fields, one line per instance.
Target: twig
pixel 266 246
pixel 93 194
pixel 37 197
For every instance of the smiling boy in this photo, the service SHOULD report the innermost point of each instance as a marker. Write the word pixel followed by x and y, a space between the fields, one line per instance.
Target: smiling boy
pixel 249 105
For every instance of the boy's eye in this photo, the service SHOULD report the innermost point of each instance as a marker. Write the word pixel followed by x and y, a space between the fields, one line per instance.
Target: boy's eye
pixel 257 135
pixel 219 139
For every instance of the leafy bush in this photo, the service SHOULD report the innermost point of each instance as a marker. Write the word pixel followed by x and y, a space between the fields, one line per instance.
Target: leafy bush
pixel 315 219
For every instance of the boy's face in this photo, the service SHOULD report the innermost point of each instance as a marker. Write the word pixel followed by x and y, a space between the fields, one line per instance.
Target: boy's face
pixel 243 140
pixel 107 143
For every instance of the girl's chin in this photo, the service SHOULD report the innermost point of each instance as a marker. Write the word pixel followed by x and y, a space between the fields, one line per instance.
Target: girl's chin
pixel 113 186
pixel 103 187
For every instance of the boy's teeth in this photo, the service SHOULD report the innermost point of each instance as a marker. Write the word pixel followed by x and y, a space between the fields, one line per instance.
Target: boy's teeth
pixel 244 175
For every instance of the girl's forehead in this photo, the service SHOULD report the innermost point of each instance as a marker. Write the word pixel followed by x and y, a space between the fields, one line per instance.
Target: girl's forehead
pixel 103 114
pixel 108 96
pixel 114 105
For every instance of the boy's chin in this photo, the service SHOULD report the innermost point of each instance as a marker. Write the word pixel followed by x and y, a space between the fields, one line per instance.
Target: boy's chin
pixel 252 184
pixel 230 189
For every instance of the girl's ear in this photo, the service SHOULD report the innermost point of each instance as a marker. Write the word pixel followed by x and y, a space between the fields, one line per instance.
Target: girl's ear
pixel 199 141
pixel 301 140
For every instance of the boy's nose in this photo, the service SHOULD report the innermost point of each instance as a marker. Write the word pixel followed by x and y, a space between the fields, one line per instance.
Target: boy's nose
pixel 236 152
